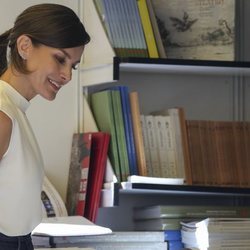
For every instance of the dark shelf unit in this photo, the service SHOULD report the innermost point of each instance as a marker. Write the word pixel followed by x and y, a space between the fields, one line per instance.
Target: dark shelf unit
pixel 179 65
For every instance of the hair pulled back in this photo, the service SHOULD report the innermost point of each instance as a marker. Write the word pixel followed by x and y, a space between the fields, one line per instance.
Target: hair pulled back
pixel 53 25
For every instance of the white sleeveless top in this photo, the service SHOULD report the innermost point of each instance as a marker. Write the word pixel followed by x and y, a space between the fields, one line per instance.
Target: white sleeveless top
pixel 21 169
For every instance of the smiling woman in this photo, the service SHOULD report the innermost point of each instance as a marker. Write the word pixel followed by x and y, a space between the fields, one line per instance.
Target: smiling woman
pixel 45 44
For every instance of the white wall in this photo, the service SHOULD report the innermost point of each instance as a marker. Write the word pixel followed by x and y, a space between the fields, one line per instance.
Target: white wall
pixel 53 122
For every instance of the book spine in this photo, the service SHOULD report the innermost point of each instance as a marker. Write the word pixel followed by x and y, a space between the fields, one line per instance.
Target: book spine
pixel 147 28
pixel 153 145
pixel 135 112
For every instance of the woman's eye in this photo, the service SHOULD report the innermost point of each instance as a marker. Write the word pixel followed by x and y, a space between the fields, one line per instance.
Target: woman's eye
pixel 61 60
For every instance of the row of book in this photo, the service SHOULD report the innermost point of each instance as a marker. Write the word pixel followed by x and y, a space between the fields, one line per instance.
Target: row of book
pixel 133 148
pixel 169 28
pixel 116 111
pixel 165 144
pixel 164 151
pixel 219 152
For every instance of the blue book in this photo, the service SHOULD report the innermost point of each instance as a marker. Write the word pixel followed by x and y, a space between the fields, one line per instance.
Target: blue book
pixel 175 245
pixel 171 235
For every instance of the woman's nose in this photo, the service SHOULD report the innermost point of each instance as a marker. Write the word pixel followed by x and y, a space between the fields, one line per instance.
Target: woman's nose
pixel 66 74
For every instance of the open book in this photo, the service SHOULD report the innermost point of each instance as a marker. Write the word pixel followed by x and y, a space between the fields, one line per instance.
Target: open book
pixel 69 226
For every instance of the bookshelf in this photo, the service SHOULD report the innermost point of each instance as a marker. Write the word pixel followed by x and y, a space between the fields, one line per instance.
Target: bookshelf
pixel 216 90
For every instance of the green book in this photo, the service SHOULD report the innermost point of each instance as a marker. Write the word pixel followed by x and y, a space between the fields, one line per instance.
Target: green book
pixel 120 134
pixel 102 107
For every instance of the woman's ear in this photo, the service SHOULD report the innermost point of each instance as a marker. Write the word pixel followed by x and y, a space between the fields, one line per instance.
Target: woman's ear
pixel 24 46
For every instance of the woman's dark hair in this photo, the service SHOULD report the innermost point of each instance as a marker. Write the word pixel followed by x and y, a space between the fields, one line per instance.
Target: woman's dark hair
pixel 53 25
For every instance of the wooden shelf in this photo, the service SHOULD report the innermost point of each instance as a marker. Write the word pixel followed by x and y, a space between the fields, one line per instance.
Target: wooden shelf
pixel 176 66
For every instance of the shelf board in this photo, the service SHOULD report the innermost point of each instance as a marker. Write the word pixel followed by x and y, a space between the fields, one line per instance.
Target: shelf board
pixel 177 66
pixel 142 188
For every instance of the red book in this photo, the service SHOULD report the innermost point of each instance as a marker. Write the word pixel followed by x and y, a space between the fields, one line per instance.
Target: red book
pixel 98 162
pixel 78 173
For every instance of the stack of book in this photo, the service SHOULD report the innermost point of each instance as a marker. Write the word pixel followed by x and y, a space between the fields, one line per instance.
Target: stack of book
pixel 76 231
pixel 217 233
pixel 169 218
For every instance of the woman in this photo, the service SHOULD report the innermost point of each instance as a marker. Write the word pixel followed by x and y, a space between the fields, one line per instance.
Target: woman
pixel 45 44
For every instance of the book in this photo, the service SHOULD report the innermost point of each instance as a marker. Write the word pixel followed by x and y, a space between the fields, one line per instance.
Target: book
pixel 197 29
pixel 146 182
pixel 172 235
pixel 78 173
pixel 97 167
pixel 213 233
pixel 89 125
pixel 189 211
pixel 116 236
pixel 175 245
pixel 153 146
pixel 157 35
pixel 154 180
pixel 199 174
pixel 126 245
pixel 178 118
pixel 69 226
pixel 147 28
pixel 180 141
pixel 146 145
pixel 135 25
pixel 94 16
pixel 165 146
pixel 122 239
pixel 120 133
pixel 137 129
pixel 124 28
pixel 101 105
pixel 128 127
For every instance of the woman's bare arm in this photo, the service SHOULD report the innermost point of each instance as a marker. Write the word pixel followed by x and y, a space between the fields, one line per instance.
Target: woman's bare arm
pixel 5 133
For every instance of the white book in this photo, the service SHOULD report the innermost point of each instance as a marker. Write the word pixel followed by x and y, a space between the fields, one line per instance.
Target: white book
pixel 153 145
pixel 165 142
pixel 69 226
pixel 173 112
pixel 150 180
pixel 146 145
